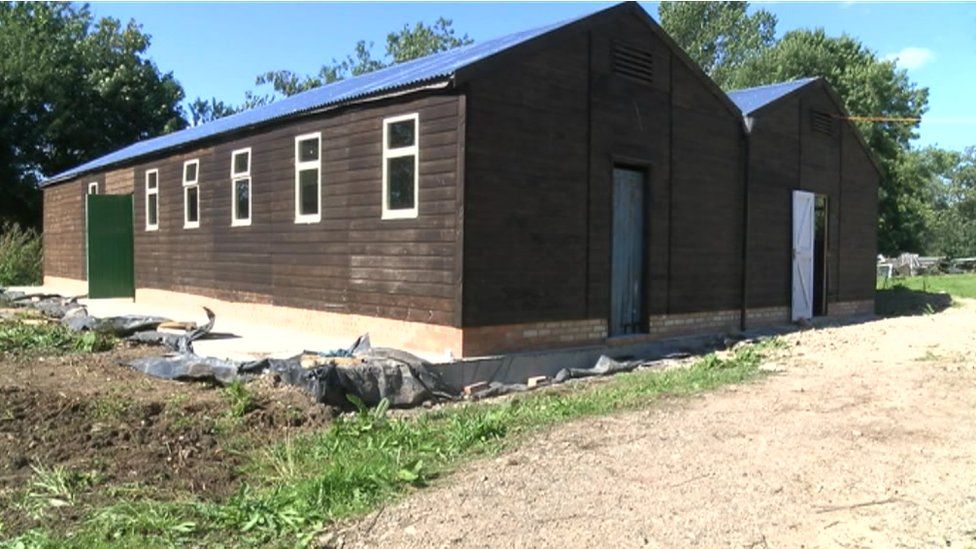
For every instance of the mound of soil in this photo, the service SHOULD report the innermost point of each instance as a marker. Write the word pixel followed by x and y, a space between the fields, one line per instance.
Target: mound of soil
pixel 88 413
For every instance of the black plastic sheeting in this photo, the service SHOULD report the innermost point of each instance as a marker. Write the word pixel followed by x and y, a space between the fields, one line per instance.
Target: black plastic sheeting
pixel 337 378
pixel 360 371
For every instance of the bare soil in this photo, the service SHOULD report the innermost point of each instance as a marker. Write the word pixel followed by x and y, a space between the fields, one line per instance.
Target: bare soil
pixel 90 414
pixel 864 436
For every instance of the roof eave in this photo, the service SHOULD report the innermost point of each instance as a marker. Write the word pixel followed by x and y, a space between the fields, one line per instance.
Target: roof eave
pixel 443 82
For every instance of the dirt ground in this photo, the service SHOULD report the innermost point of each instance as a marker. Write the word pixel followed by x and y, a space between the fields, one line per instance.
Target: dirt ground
pixel 865 436
pixel 90 414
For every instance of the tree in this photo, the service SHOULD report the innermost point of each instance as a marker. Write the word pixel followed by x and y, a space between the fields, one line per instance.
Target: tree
pixel 403 45
pixel 951 215
pixel 72 89
pixel 868 86
pixel 202 111
pixel 719 36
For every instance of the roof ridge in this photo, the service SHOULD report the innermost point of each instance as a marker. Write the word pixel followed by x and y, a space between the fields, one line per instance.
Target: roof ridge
pixel 784 82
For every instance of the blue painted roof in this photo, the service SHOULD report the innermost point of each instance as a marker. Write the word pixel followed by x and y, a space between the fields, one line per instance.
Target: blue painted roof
pixel 752 99
pixel 436 67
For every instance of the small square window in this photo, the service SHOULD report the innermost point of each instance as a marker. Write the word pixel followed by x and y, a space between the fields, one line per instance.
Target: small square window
pixel 402 134
pixel 190 171
pixel 152 180
pixel 308 150
pixel 242 162
pixel 93 187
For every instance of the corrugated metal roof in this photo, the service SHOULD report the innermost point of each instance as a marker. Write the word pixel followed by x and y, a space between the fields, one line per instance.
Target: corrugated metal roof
pixel 752 99
pixel 432 68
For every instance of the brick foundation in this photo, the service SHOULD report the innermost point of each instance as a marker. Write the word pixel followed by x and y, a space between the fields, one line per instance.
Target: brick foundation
pixel 851 308
pixel 767 316
pixel 676 325
pixel 537 335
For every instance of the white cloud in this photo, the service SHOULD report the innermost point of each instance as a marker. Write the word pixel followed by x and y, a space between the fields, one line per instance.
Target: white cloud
pixel 912 57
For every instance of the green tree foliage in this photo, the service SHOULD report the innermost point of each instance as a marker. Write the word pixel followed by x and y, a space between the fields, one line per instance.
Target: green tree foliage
pixel 202 111
pixel 951 204
pixel 71 89
pixel 403 45
pixel 719 36
pixel 868 86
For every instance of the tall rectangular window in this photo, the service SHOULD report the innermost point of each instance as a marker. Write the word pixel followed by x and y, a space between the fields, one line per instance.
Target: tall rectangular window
pixel 401 163
pixel 308 178
pixel 191 194
pixel 152 200
pixel 240 184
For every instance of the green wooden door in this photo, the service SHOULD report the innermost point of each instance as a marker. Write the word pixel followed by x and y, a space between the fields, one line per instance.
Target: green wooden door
pixel 111 271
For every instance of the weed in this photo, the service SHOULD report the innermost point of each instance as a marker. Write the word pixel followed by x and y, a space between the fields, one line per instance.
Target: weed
pixel 94 342
pixel 49 337
pixel 110 407
pixel 54 487
pixel 20 255
pixel 164 523
pixel 239 398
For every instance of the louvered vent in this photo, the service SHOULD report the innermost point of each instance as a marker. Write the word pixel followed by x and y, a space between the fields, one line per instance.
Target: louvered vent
pixel 633 62
pixel 822 122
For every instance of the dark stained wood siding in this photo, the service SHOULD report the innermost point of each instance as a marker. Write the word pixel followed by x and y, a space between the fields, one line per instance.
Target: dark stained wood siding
pixel 350 262
pixel 786 155
pixel 544 132
pixel 64 229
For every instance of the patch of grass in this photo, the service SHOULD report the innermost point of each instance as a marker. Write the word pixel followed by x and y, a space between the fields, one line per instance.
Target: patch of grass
pixel 956 285
pixel 21 255
pixel 300 485
pixel 35 335
pixel 52 487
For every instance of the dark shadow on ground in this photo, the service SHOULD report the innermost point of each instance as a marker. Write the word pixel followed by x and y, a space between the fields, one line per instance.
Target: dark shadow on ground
pixel 902 301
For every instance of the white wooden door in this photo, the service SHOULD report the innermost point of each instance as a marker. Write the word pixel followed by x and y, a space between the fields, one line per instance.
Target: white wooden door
pixel 803 206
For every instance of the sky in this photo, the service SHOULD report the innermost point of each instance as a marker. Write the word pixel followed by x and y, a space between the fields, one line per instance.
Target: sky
pixel 217 49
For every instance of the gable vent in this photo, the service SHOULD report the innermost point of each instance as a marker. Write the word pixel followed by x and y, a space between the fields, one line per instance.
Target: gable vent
pixel 822 122
pixel 633 62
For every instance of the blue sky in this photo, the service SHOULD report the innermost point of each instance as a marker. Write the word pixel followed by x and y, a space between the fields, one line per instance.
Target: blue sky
pixel 216 49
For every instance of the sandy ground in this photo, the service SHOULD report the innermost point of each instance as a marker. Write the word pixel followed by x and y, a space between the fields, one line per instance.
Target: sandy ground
pixel 864 437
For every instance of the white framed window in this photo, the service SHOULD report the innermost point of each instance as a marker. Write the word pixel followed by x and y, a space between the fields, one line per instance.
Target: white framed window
pixel 401 166
pixel 152 200
pixel 308 178
pixel 191 194
pixel 93 187
pixel 240 187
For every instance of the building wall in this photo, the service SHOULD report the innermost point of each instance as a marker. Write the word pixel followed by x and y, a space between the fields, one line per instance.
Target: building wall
pixel 544 132
pixel 64 230
pixel 786 155
pixel 351 262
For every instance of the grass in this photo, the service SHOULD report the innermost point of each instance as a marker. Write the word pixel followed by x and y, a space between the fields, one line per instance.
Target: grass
pixel 957 285
pixel 298 487
pixel 43 336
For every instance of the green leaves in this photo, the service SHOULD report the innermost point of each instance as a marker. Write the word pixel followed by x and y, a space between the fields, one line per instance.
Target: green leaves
pixel 403 45
pixel 72 88
pixel 719 36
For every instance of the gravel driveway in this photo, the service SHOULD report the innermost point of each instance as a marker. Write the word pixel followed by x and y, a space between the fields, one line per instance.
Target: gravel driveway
pixel 865 437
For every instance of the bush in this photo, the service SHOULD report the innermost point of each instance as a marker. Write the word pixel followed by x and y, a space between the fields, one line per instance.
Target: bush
pixel 20 256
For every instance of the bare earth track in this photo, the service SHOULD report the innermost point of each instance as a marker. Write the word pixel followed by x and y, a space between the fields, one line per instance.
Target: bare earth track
pixel 864 437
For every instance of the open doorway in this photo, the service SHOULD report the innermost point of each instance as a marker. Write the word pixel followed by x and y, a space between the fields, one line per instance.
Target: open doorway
pixel 809 255
pixel 820 255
